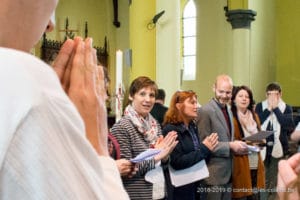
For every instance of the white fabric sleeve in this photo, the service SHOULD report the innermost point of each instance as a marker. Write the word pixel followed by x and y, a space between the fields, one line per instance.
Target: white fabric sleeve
pixel 298 127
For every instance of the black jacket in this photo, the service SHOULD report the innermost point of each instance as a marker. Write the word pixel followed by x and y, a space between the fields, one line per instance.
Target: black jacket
pixel 183 156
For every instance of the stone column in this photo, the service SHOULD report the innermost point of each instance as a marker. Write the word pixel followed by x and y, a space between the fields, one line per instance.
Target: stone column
pixel 240 21
pixel 168 47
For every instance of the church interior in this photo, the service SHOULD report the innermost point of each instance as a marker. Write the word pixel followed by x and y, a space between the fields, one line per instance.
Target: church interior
pixel 253 41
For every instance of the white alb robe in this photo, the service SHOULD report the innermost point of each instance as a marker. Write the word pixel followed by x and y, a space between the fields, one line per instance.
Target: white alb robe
pixel 43 150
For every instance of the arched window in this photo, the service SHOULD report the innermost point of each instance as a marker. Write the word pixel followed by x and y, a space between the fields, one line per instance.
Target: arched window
pixel 189 41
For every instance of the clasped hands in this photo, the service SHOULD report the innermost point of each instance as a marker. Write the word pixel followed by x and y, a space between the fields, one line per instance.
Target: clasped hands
pixel 83 81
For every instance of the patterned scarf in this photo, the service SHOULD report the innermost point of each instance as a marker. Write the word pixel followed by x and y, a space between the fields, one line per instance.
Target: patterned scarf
pixel 146 126
pixel 248 122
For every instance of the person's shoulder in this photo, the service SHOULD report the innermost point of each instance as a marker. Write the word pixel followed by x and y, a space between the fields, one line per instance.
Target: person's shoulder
pixel 11 58
pixel 26 77
pixel 24 69
pixel 289 106
pixel 159 105
pixel 165 107
pixel 123 123
pixel 29 75
pixel 15 79
pixel 259 103
pixel 171 127
pixel 258 107
pixel 208 106
pixel 162 107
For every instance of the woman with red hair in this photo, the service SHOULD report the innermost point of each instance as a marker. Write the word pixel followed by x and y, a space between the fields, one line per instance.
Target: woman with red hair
pixel 189 150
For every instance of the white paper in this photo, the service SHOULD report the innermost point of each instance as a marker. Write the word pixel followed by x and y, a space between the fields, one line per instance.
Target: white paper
pixel 145 155
pixel 156 177
pixel 189 175
pixel 253 148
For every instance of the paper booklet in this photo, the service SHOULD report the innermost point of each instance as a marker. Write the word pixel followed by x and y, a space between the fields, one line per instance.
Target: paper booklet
pixel 189 175
pixel 145 155
pixel 253 148
pixel 258 136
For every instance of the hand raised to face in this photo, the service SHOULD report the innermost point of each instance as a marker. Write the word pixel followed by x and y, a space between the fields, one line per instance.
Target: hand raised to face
pixel 77 69
pixel 273 98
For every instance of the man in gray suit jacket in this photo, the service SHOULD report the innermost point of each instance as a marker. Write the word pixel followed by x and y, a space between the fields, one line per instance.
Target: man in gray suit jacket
pixel 216 117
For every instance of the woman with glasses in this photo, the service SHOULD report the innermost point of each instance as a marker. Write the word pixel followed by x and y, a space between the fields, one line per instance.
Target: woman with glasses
pixel 138 131
pixel 189 150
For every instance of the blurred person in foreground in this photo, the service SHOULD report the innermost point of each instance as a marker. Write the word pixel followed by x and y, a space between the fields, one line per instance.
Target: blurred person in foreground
pixel 288 178
pixel 295 136
pixel 44 153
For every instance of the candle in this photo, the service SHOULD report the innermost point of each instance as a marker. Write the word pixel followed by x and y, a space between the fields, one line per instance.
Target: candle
pixel 119 64
pixel 119 92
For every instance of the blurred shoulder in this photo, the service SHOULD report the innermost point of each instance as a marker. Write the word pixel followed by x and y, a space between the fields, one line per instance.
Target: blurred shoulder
pixel 124 124
pixel 208 107
pixel 170 127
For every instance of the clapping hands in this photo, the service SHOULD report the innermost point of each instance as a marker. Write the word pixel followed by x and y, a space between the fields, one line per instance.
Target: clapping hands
pixel 166 144
pixel 211 141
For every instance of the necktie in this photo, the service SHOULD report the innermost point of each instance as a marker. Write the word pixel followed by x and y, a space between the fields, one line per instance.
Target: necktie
pixel 226 118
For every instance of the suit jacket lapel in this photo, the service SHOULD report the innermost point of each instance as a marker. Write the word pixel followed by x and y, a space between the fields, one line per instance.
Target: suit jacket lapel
pixel 222 119
pixel 231 122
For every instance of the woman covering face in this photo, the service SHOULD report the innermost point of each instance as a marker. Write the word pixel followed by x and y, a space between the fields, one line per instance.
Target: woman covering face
pixel 138 131
pixel 190 150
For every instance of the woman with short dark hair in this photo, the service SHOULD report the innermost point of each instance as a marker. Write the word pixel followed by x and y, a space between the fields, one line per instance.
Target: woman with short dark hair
pixel 138 131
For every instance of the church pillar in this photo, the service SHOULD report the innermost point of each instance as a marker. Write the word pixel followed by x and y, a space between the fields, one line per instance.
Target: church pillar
pixel 241 24
pixel 168 47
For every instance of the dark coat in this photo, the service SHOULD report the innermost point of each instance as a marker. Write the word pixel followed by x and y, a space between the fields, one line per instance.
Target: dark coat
pixel 286 122
pixel 158 112
pixel 183 156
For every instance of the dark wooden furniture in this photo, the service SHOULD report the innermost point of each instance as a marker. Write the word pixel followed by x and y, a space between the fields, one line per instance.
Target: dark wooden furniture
pixel 50 49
